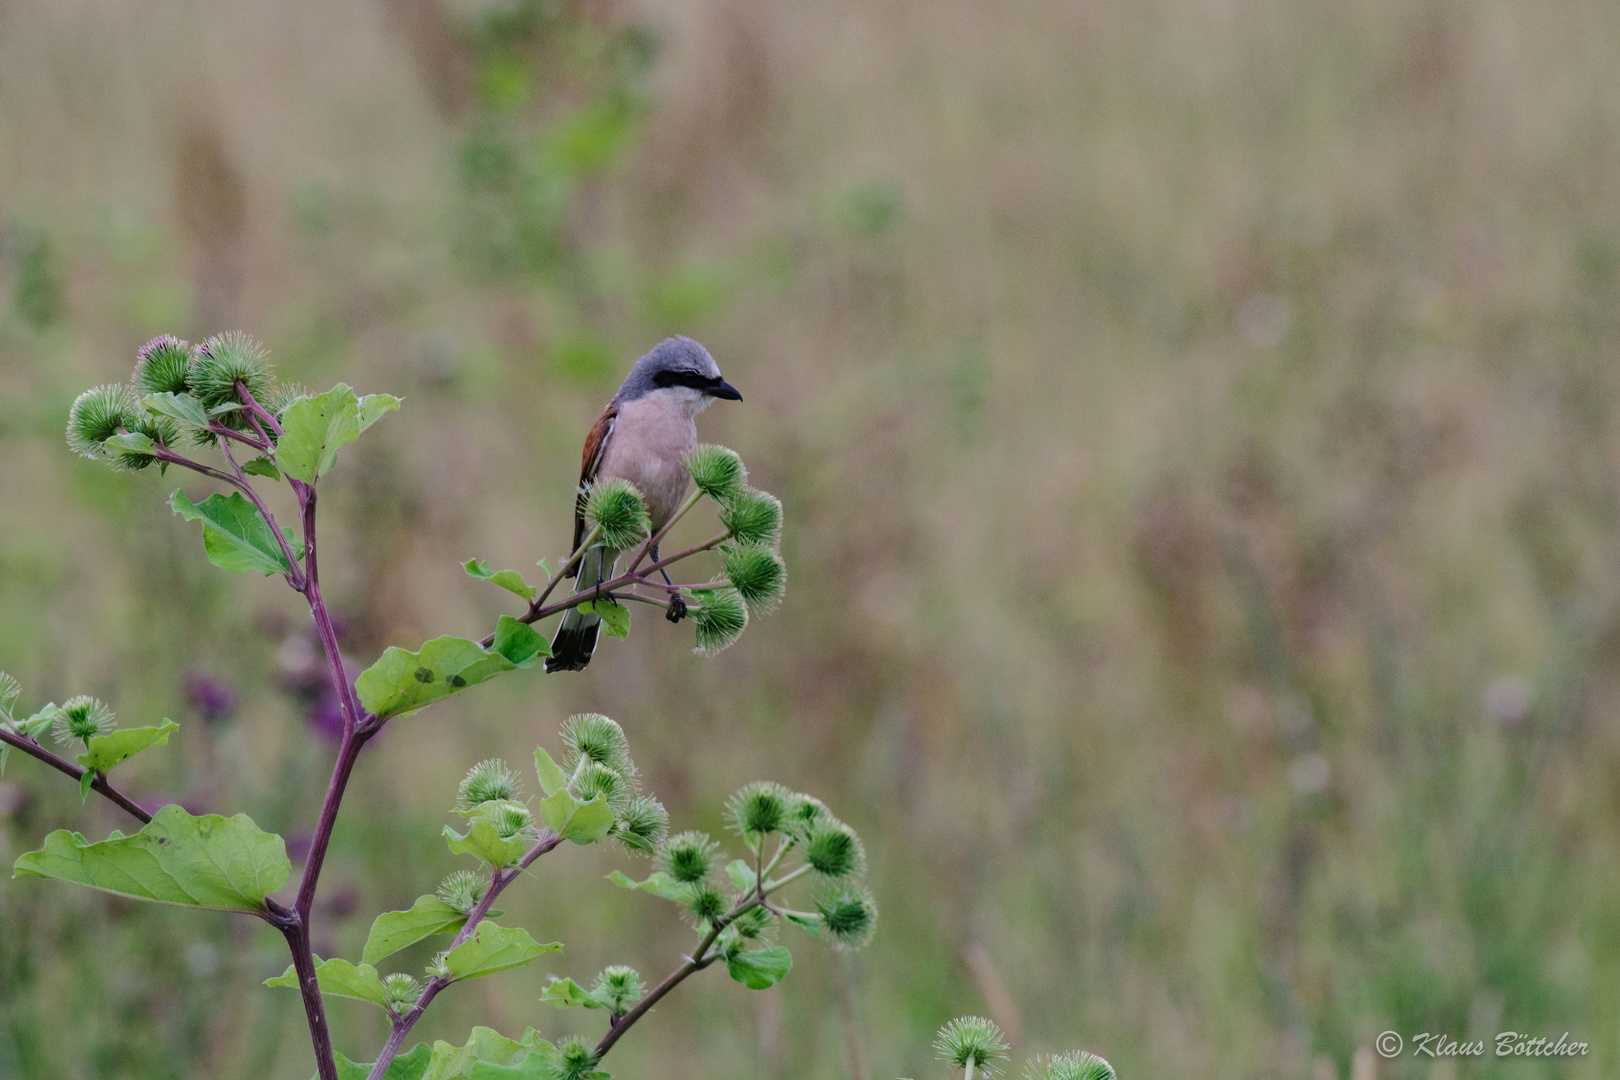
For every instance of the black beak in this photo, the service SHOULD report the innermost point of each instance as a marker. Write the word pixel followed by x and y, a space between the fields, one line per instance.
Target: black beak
pixel 725 390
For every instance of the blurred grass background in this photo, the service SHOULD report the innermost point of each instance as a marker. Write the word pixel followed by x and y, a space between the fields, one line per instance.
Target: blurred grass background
pixel 1197 421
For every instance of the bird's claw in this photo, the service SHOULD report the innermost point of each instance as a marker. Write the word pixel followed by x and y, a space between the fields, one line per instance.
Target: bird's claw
pixel 677 609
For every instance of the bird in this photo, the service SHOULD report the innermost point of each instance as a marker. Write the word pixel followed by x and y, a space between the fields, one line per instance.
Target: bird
pixel 643 436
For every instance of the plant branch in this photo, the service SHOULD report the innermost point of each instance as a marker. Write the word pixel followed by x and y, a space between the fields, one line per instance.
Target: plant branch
pixel 653 540
pixel 257 411
pixel 295 577
pixel 62 765
pixel 498 882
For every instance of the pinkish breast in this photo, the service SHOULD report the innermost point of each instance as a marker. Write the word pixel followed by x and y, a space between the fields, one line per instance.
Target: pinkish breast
pixel 650 438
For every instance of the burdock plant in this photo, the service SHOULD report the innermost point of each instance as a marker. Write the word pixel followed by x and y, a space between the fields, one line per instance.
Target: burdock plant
pixel 798 863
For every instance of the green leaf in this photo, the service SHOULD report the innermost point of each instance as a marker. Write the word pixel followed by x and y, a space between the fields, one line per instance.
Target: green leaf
pixel 130 443
pixel 487 1048
pixel 394 930
pixel 401 682
pixel 519 642
pixel 567 994
pixel 545 568
pixel 210 861
pixel 658 883
pixel 412 1065
pixel 494 948
pixel 372 407
pixel 741 875
pixel 262 466
pixel 484 842
pixel 759 969
pixel 510 580
pixel 313 428
pixel 86 779
pixel 615 617
pixel 35 725
pixel 181 407
pixel 552 778
pixel 340 979
pixel 557 811
pixel 106 751
pixel 590 823
pixel 810 923
pixel 536 1066
pixel 235 534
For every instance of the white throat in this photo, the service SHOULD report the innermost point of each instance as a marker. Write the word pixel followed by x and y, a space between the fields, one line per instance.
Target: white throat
pixel 678 399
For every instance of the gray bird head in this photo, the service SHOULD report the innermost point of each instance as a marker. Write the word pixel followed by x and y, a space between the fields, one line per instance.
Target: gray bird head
pixel 678 364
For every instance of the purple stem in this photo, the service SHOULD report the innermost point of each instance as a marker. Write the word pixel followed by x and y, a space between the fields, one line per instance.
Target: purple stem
pixel 498 882
pixel 99 784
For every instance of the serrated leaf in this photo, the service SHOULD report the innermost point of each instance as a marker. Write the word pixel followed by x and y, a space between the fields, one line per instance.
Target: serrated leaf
pixel 401 682
pixel 590 823
pixel 510 580
pixel 412 1065
pixel 262 466
pixel 759 969
pixel 235 535
pixel 494 948
pixel 313 428
pixel 567 994
pixel 658 883
pixel 741 875
pixel 483 842
pixel 210 861
pixel 552 778
pixel 519 642
pixel 181 407
pixel 394 930
pixel 132 442
pixel 615 617
pixel 373 406
pixel 115 748
pixel 340 978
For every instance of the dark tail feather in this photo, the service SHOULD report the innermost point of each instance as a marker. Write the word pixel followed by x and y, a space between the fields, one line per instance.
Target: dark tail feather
pixel 576 636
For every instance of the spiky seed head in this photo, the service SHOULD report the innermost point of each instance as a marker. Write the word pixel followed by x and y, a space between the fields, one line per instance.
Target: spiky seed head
pixel 593 779
pixel 717 471
pixel 705 904
pixel 643 824
pixel 833 850
pixel 97 415
pixel 719 620
pixel 758 574
pixel 971 1037
pixel 401 990
pixel 576 1058
pixel 1074 1065
pixel 164 366
pixel 82 718
pixel 618 988
pixel 488 781
pixel 594 736
pixel 753 516
pixel 688 857
pixel 759 809
pixel 509 818
pixel 439 966
pixel 804 813
pixel 283 395
pixel 755 924
pixel 10 690
pixel 160 429
pixel 462 890
pixel 616 507
pixel 221 362
pixel 849 915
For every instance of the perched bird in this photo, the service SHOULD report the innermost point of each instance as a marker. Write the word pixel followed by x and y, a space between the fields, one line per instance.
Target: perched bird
pixel 643 436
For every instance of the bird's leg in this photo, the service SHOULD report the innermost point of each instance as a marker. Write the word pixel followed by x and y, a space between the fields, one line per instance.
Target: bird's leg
pixel 677 608
pixel 661 570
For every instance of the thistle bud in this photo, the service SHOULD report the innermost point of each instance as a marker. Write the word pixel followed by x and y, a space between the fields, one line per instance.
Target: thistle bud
pixel 509 818
pixel 1074 1065
pixel 719 621
pixel 618 988
pixel 221 362
pixel 439 966
pixel 971 1039
pixel 688 857
pixel 849 915
pixel 717 471
pixel 164 366
pixel 82 718
pixel 10 690
pixel 705 904
pixel 488 781
pixel 593 779
pixel 594 736
pixel 755 924
pixel 401 991
pixel 616 508
pixel 576 1058
pixel 753 517
pixel 758 574
pixel 283 395
pixel 97 415
pixel 462 890
pixel 643 824
pixel 833 850
pixel 759 809
pixel 804 813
